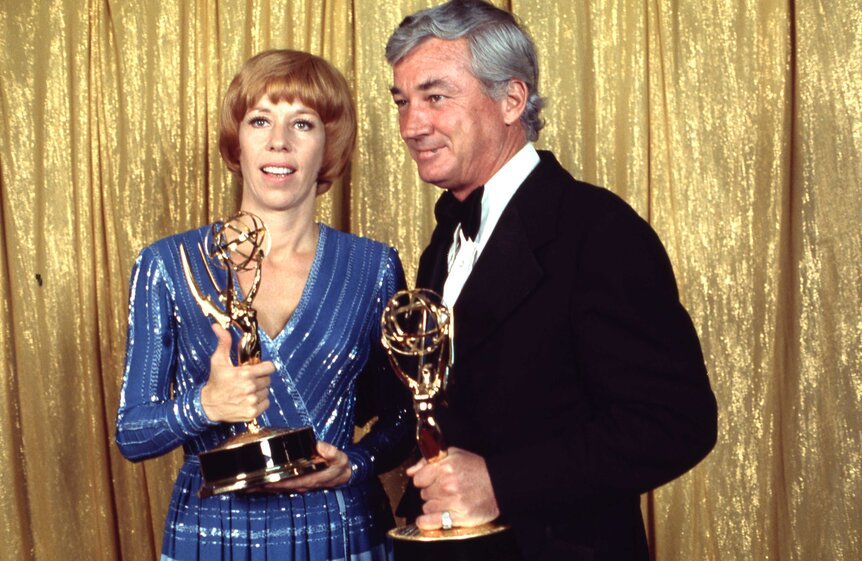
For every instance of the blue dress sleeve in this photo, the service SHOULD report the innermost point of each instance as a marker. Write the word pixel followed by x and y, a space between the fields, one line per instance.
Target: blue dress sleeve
pixel 150 421
pixel 381 394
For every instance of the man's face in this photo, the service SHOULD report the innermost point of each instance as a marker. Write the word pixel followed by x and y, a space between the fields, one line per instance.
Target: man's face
pixel 457 135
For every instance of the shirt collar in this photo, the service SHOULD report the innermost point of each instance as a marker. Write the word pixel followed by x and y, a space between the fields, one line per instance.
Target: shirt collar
pixel 502 186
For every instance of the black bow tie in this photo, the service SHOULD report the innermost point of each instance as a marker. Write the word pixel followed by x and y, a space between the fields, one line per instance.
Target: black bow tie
pixel 450 212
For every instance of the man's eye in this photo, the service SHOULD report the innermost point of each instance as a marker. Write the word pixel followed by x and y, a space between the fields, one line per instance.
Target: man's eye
pixel 400 102
pixel 435 98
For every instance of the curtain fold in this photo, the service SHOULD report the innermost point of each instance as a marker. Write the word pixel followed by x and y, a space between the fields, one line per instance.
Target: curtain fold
pixel 734 127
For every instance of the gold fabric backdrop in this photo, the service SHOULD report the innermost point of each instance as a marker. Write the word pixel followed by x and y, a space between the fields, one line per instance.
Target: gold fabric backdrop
pixel 733 126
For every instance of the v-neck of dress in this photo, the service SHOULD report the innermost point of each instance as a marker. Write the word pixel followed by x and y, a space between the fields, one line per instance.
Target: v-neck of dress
pixel 276 342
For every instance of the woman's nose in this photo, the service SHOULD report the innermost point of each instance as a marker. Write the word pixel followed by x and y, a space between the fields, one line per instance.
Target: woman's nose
pixel 279 139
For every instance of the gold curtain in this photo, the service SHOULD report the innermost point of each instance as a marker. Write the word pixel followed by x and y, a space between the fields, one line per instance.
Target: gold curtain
pixel 733 126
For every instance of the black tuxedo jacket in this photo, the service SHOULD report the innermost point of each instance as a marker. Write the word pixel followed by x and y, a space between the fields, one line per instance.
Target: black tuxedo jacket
pixel 578 374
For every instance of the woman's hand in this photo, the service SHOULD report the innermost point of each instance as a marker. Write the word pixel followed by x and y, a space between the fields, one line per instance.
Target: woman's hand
pixel 337 472
pixel 234 393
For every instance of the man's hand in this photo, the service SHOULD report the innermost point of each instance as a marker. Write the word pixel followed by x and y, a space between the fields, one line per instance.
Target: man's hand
pixel 234 394
pixel 458 484
pixel 337 472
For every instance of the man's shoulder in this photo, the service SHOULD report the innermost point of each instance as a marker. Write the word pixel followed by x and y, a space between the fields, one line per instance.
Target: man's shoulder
pixel 578 200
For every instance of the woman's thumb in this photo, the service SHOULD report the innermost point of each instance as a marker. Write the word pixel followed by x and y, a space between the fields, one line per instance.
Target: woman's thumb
pixel 224 342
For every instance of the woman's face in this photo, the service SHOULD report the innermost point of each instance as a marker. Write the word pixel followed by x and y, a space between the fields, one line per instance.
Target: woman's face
pixel 280 153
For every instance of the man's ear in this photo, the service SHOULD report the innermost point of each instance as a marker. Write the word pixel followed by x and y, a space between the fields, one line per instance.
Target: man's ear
pixel 514 101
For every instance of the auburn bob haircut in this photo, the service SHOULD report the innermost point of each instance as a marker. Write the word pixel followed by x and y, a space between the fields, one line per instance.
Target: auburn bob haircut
pixel 286 75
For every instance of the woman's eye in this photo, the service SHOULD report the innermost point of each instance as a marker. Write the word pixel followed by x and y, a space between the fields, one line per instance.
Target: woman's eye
pixel 304 125
pixel 258 122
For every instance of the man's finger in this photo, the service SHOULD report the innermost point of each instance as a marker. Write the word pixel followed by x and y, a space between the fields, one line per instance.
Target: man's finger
pixel 411 471
pixel 433 521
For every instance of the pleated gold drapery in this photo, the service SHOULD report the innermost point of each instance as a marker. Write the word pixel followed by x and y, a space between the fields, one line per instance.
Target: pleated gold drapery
pixel 733 126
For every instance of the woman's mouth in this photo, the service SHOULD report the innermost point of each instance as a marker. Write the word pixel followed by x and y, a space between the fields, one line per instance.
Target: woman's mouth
pixel 279 171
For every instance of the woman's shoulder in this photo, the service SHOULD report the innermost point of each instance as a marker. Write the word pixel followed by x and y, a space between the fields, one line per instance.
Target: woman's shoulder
pixel 355 252
pixel 165 251
pixel 355 242
pixel 171 242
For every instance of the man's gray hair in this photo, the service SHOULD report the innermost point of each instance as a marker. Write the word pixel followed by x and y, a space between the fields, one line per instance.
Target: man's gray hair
pixel 500 49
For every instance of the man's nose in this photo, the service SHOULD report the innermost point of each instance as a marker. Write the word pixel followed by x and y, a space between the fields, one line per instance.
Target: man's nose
pixel 414 123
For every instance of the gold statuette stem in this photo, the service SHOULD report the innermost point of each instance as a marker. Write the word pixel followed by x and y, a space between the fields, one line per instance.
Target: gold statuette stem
pixel 429 437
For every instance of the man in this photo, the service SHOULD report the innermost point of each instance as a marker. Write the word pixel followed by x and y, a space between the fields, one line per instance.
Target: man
pixel 578 381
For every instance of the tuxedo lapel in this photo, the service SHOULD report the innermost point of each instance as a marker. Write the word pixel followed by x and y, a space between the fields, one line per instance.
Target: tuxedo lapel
pixel 504 275
pixel 432 263
pixel 507 270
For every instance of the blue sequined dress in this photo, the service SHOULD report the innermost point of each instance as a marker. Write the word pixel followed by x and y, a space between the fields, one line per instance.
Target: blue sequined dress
pixel 331 374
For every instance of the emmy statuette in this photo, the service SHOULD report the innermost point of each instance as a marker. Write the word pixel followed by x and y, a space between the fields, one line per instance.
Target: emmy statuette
pixel 417 333
pixel 261 455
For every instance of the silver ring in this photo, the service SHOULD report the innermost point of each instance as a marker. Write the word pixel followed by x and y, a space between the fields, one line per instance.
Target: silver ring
pixel 447 520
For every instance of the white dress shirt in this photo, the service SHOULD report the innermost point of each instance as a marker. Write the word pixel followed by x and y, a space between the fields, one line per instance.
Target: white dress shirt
pixel 463 253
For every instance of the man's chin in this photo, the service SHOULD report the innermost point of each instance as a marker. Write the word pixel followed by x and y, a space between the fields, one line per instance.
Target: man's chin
pixel 435 183
pixel 433 175
pixel 431 178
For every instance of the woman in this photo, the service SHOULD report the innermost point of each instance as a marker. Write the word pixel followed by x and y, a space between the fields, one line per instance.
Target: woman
pixel 287 130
